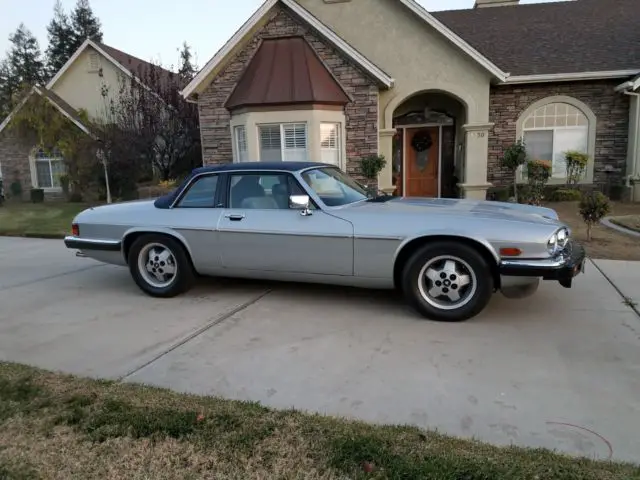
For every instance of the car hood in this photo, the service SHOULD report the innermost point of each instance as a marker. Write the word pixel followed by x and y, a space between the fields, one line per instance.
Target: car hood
pixel 466 208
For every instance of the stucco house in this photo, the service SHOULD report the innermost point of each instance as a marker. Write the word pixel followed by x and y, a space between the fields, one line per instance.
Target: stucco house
pixel 88 82
pixel 439 94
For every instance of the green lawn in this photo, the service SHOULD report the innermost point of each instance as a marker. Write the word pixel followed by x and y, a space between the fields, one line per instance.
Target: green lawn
pixel 48 220
pixel 56 426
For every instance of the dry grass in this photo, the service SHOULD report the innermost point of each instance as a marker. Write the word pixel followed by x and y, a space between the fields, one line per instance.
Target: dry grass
pixel 61 427
pixel 632 222
pixel 606 243
pixel 47 220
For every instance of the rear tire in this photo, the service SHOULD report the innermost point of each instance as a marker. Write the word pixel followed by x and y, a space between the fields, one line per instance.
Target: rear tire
pixel 448 282
pixel 160 265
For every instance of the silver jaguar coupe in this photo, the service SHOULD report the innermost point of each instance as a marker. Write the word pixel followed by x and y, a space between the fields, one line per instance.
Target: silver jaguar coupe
pixel 311 222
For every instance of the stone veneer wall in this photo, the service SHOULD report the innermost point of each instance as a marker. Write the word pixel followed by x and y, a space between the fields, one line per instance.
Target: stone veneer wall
pixel 361 114
pixel 14 161
pixel 611 109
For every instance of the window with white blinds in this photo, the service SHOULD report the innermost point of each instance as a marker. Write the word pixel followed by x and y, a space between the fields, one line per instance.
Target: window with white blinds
pixel 284 142
pixel 330 143
pixel 241 143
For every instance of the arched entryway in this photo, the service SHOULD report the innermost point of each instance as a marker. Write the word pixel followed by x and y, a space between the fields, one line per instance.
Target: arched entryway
pixel 428 145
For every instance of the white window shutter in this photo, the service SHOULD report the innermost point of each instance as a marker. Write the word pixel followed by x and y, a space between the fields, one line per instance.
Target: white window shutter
pixel 270 143
pixel 295 142
pixel 330 143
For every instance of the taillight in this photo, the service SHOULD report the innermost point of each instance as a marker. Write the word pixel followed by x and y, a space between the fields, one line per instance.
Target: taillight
pixel 75 230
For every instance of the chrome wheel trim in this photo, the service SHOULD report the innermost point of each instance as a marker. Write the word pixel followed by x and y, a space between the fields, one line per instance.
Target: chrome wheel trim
pixel 447 282
pixel 157 265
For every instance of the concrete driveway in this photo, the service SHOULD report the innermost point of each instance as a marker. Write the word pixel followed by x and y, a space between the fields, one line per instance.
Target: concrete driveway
pixel 559 370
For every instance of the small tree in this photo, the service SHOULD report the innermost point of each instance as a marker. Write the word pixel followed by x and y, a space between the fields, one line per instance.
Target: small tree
pixel 538 174
pixel 512 158
pixel 372 165
pixel 576 166
pixel 594 206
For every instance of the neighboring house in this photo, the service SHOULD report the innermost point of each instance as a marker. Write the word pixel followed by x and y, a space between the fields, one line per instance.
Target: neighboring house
pixel 439 94
pixel 89 80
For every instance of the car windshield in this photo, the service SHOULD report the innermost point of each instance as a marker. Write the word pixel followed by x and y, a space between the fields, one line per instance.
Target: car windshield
pixel 334 187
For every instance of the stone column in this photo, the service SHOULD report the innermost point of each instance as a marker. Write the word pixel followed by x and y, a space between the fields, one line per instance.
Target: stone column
pixel 386 148
pixel 475 183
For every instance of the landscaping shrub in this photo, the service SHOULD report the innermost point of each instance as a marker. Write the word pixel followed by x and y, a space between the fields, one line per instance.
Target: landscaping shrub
pixel 499 194
pixel 594 206
pixel 372 165
pixel 16 189
pixel 75 197
pixel 37 195
pixel 576 166
pixel 538 173
pixel 616 192
pixel 64 183
pixel 566 195
pixel 512 158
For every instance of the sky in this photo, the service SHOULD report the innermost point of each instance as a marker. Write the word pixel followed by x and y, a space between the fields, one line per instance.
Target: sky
pixel 155 29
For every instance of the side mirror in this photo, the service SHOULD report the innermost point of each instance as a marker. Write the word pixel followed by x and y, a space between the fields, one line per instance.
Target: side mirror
pixel 300 202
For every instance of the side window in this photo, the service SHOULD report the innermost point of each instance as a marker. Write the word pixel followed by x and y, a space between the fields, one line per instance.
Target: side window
pixel 201 194
pixel 259 191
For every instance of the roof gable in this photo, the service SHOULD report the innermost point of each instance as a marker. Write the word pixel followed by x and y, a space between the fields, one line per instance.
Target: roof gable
pixel 129 65
pixel 204 76
pixel 286 71
pixel 63 107
pixel 197 83
pixel 554 38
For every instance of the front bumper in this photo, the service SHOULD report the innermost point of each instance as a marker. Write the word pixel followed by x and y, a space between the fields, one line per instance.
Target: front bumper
pixel 562 268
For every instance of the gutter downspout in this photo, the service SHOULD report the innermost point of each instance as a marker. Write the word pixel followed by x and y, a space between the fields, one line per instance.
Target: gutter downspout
pixel 635 155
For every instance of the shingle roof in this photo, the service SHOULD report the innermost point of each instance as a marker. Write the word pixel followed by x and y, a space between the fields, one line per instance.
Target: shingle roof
pixel 558 37
pixel 286 71
pixel 141 67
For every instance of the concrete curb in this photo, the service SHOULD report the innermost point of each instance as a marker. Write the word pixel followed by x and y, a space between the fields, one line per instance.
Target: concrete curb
pixel 609 224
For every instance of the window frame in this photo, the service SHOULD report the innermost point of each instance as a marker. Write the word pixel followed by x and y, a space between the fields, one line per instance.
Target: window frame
pixel 553 143
pixel 283 148
pixel 338 148
pixel 591 134
pixel 236 142
pixel 216 197
pixel 291 182
pixel 48 159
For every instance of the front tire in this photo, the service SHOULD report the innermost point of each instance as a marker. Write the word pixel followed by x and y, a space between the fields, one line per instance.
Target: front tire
pixel 160 266
pixel 448 282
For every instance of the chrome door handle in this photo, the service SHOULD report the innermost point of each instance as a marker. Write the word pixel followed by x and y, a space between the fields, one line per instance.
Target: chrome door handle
pixel 234 217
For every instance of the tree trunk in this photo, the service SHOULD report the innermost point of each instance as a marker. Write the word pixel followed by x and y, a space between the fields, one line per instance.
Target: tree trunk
pixel 589 232
pixel 515 184
pixel 106 180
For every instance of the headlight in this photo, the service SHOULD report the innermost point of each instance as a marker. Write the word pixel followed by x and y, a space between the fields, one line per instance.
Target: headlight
pixel 563 237
pixel 552 244
pixel 558 241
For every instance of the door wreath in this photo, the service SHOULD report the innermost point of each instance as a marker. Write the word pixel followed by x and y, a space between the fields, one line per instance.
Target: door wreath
pixel 421 143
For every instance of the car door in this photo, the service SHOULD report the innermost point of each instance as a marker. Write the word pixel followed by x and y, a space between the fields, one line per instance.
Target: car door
pixel 196 215
pixel 258 230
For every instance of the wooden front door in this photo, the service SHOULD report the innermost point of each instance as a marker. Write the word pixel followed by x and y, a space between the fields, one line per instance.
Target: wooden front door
pixel 421 164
